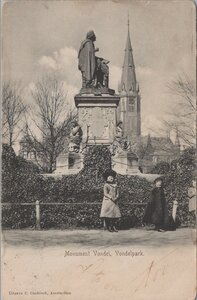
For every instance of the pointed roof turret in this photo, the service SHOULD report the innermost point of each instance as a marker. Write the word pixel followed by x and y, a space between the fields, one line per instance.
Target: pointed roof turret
pixel 128 80
pixel 177 141
pixel 149 150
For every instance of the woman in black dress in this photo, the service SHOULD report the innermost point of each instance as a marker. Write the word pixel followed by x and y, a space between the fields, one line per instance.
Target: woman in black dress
pixel 157 211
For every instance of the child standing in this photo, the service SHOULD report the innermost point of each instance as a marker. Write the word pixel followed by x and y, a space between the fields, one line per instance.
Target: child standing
pixel 192 196
pixel 110 210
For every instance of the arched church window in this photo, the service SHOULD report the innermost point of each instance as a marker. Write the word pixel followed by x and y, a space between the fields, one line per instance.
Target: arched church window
pixel 131 104
pixel 25 154
pixel 32 155
pixel 71 162
pixel 155 159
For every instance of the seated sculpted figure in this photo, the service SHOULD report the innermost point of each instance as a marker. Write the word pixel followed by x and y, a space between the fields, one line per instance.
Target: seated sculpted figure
pixel 102 72
pixel 120 142
pixel 75 137
pixel 119 132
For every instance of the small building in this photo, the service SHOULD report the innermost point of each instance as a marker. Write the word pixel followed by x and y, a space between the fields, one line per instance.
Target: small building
pixel 27 151
pixel 152 150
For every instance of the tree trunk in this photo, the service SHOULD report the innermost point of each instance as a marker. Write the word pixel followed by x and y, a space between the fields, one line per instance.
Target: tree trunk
pixel 10 139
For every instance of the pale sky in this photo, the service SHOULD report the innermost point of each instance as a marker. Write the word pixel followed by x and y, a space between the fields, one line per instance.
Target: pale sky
pixel 39 36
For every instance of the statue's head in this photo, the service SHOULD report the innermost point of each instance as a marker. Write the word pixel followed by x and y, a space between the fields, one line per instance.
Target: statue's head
pixel 73 147
pixel 91 35
pixel 119 124
pixel 74 124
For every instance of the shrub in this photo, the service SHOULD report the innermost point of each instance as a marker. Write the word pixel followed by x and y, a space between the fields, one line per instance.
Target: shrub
pixel 18 217
pixel 97 158
pixel 161 168
pixel 177 182
pixel 84 188
pixel 21 181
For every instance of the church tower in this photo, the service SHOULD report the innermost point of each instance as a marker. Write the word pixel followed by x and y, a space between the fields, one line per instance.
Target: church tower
pixel 128 111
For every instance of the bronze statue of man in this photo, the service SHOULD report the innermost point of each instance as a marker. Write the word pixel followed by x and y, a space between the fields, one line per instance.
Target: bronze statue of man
pixel 87 60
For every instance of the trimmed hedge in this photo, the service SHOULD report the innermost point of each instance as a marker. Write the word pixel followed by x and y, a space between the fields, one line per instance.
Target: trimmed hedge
pixel 176 184
pixel 18 217
pixel 161 168
pixel 23 183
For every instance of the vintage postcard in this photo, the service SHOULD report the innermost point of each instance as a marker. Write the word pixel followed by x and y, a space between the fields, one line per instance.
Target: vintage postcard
pixel 98 180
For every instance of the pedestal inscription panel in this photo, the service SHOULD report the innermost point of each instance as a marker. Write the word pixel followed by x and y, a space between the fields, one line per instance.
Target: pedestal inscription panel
pixel 97 117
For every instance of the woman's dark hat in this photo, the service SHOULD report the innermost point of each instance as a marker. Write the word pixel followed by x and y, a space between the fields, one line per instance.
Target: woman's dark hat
pixel 158 179
pixel 109 173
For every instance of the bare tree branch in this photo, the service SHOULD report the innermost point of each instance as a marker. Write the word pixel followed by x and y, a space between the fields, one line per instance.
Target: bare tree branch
pixel 13 110
pixel 53 120
pixel 184 87
pixel 183 117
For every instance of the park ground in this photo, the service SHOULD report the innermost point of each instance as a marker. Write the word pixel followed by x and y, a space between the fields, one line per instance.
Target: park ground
pixel 135 264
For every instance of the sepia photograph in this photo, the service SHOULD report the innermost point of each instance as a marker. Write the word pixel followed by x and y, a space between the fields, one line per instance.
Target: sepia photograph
pixel 98 150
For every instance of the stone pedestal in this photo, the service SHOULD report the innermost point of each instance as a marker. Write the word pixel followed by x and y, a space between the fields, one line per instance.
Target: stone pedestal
pixel 69 163
pixel 146 165
pixel 97 117
pixel 125 163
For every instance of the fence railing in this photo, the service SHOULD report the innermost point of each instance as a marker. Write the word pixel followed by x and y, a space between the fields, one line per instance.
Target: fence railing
pixel 37 205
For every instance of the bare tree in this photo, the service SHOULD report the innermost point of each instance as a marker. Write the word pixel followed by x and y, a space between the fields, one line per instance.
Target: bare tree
pixel 51 118
pixel 13 110
pixel 182 118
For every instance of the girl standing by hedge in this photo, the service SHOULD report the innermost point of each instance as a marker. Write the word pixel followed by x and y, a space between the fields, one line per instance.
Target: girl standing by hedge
pixel 192 196
pixel 110 210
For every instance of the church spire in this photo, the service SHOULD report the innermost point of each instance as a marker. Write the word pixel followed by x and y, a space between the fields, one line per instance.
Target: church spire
pixel 129 109
pixel 128 23
pixel 128 80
